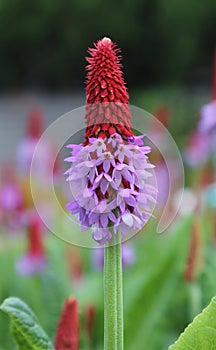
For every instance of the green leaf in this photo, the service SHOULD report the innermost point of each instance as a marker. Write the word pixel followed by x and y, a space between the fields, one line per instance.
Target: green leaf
pixel 27 333
pixel 201 333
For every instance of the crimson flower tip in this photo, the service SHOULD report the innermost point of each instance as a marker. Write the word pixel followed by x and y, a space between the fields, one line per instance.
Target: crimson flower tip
pixel 107 109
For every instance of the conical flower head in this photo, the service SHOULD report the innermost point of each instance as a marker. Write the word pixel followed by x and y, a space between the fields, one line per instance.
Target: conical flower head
pixel 34 261
pixel 35 123
pixel 106 91
pixel 67 334
pixel 110 170
pixel 35 237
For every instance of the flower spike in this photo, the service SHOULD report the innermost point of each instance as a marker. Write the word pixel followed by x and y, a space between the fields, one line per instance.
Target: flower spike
pixel 109 174
pixel 67 335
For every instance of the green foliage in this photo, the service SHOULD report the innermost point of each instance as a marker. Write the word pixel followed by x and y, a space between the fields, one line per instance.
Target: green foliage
pixel 161 264
pixel 27 333
pixel 45 293
pixel 201 333
pixel 158 302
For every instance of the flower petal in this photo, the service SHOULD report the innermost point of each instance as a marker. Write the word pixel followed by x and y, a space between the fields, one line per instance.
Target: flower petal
pixel 104 220
pixel 106 165
pixel 104 185
pixel 127 219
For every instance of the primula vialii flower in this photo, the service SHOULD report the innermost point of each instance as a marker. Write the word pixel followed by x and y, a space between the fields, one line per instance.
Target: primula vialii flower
pixel 197 151
pixel 67 334
pixel 27 146
pixel 110 169
pixel 11 198
pixel 34 261
pixel 26 151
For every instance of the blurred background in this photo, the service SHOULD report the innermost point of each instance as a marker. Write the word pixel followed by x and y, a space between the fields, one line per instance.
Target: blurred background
pixel 43 44
pixel 168 59
pixel 167 52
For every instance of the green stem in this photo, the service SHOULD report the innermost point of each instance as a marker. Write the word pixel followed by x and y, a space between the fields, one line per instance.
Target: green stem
pixel 113 298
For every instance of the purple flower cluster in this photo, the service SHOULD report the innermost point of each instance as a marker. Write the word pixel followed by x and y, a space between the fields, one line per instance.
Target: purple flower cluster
pixel 110 187
pixel 31 264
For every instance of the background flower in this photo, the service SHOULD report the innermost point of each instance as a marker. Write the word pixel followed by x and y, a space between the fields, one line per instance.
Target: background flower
pixel 34 261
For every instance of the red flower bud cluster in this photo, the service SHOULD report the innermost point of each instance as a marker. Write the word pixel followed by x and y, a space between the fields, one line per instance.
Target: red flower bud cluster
pixel 67 335
pixel 107 110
